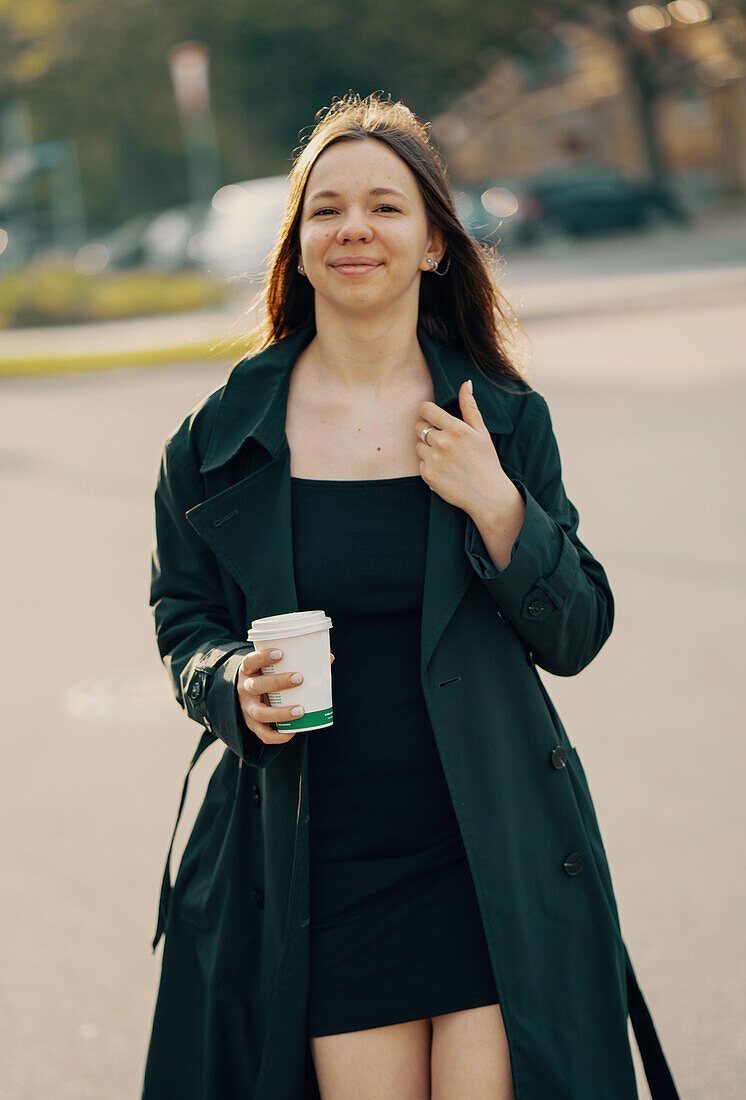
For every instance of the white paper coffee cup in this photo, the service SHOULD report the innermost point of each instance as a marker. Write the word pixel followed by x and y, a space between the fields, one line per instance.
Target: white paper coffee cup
pixel 303 637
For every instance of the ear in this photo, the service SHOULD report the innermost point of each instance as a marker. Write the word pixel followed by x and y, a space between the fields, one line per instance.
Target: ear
pixel 436 244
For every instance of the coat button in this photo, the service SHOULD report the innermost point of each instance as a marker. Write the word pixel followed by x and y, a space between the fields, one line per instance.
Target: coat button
pixel 305 923
pixel 535 607
pixel 307 818
pixel 259 896
pixel 195 689
pixel 559 757
pixel 256 795
pixel 573 864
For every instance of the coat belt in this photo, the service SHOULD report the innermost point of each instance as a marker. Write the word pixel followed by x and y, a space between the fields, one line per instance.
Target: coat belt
pixel 660 1081
pixel 206 739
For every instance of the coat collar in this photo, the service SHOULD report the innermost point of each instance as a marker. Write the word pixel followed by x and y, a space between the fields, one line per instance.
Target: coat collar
pixel 253 403
pixel 248 524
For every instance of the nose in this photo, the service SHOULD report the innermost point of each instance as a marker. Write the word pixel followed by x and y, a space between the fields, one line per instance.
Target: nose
pixel 355 226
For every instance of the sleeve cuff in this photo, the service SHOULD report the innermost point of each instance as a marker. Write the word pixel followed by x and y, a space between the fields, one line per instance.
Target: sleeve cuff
pixel 543 563
pixel 222 714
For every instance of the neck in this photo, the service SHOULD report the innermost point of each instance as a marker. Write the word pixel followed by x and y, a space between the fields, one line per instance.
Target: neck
pixel 371 354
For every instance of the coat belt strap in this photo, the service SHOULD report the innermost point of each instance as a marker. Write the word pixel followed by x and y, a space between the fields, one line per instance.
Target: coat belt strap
pixel 660 1081
pixel 206 739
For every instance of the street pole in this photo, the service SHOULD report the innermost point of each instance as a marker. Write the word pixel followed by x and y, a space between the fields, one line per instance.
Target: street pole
pixel 189 66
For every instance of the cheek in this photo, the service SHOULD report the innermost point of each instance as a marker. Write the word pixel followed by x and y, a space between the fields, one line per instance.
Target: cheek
pixel 404 245
pixel 319 240
pixel 396 234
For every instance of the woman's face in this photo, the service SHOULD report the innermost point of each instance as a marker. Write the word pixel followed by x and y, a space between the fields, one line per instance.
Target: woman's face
pixel 388 228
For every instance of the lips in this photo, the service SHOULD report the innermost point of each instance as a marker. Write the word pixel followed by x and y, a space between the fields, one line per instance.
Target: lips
pixel 355 269
pixel 356 263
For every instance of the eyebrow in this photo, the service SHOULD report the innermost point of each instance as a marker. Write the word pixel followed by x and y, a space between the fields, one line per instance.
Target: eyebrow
pixel 373 191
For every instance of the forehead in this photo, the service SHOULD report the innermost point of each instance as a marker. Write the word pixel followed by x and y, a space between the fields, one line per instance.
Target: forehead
pixel 360 165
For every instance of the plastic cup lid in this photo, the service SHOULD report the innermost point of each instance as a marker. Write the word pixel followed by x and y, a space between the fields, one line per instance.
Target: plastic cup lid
pixel 291 625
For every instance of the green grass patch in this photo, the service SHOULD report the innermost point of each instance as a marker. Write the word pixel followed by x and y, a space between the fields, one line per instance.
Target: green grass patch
pixel 53 294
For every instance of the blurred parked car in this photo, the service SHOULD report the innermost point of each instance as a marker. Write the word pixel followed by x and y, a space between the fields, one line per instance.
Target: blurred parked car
pixel 240 227
pixel 121 248
pixel 166 240
pixel 153 240
pixel 576 201
pixel 584 199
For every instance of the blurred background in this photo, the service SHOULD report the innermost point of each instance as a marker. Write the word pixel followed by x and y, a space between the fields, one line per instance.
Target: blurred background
pixel 144 147
pixel 144 151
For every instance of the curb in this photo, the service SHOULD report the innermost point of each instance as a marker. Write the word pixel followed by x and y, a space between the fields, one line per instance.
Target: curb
pixel 21 366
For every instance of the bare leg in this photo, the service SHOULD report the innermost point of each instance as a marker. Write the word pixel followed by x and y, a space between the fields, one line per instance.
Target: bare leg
pixel 470 1056
pixel 376 1064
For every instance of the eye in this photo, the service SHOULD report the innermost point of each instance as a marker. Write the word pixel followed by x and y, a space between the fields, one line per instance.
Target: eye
pixel 327 209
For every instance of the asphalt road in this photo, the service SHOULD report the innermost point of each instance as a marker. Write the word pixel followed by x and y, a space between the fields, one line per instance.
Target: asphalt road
pixel 649 414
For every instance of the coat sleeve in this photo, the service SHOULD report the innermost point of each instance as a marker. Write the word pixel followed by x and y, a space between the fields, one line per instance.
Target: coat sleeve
pixel 197 645
pixel 553 591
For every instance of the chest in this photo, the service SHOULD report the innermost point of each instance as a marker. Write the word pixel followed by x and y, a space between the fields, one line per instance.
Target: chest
pixel 336 438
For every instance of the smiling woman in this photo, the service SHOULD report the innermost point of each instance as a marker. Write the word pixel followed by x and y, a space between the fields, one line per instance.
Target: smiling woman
pixel 414 901
pixel 381 248
pixel 370 211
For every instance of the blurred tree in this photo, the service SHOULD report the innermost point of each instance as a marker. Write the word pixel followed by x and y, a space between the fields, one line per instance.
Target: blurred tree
pixel 656 59
pixel 99 77
pixel 95 73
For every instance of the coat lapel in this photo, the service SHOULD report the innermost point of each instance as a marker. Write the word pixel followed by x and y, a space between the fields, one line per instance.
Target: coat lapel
pixel 248 524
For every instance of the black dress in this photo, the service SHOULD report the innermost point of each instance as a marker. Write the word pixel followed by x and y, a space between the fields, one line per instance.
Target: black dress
pixel 396 933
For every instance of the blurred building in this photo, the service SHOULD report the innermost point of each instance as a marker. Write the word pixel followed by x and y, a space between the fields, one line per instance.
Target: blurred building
pixel 576 99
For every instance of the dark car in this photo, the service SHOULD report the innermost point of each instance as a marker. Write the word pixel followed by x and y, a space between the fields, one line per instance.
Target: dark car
pixel 582 200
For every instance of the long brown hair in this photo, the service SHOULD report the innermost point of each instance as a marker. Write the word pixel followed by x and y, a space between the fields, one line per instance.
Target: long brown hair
pixel 463 308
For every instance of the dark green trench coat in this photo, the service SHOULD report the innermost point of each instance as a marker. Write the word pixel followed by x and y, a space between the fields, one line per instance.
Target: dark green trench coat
pixel 230 1018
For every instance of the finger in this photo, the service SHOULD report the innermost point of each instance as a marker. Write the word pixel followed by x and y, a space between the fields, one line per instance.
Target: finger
pixel 261 712
pixel 469 408
pixel 264 730
pixel 260 658
pixel 436 416
pixel 262 682
pixel 268 734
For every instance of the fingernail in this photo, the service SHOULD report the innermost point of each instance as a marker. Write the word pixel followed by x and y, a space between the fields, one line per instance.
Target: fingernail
pixel 296 678
pixel 297 710
pixel 469 386
pixel 276 654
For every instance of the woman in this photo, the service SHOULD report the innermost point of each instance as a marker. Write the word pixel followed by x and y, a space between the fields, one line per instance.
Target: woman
pixel 414 902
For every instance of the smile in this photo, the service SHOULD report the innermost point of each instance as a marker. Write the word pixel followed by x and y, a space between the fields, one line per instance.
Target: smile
pixel 354 269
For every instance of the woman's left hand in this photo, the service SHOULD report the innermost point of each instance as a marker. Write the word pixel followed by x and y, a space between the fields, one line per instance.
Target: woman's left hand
pixel 459 460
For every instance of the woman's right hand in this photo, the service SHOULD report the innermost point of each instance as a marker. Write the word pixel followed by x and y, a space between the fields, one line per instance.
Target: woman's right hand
pixel 253 685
